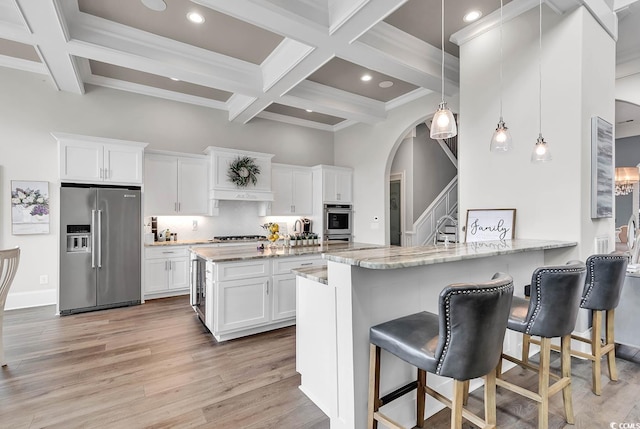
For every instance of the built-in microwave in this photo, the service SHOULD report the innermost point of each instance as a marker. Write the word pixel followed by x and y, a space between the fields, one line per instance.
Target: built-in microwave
pixel 337 219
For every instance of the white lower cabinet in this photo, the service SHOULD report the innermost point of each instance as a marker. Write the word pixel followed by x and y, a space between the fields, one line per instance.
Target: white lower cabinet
pixel 166 271
pixel 241 304
pixel 254 296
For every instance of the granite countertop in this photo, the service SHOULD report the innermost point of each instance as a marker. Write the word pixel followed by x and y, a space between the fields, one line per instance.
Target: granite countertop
pixel 239 253
pixel 383 258
pixel 317 274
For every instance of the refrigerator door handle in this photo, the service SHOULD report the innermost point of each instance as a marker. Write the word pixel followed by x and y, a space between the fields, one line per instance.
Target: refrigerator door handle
pixel 99 238
pixel 93 239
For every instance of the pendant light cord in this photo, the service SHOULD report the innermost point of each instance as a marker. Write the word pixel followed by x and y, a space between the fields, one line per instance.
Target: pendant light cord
pixel 540 73
pixel 501 60
pixel 442 47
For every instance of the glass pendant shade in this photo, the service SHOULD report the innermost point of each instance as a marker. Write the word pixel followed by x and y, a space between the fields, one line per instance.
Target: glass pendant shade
pixel 501 140
pixel 443 124
pixel 541 151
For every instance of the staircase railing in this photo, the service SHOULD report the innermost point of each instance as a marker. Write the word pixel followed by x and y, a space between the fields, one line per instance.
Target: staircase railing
pixel 424 228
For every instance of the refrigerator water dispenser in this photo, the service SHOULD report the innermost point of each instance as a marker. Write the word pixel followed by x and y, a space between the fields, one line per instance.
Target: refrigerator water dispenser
pixel 78 238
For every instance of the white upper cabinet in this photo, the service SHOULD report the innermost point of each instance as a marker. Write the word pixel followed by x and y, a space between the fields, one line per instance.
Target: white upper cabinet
pixel 292 188
pixel 175 184
pixel 335 183
pixel 85 159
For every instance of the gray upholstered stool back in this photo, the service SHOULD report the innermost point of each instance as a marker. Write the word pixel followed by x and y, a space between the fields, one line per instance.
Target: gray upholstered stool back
pixel 605 277
pixel 473 321
pixel 555 300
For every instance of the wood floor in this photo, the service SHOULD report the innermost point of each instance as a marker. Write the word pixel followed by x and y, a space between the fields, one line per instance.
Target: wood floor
pixel 156 366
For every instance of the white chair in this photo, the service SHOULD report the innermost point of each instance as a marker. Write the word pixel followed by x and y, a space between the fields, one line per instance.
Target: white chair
pixel 9 260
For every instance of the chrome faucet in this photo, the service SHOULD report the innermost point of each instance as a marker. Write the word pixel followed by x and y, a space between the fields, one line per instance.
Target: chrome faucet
pixel 297 230
pixel 439 223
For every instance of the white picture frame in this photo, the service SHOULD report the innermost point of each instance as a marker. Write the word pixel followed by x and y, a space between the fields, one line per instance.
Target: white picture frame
pixel 602 169
pixel 490 225
pixel 29 207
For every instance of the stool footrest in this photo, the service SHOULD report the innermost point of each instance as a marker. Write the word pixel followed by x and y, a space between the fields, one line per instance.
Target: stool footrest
pixel 527 365
pixel 465 413
pixel 401 391
pixel 604 349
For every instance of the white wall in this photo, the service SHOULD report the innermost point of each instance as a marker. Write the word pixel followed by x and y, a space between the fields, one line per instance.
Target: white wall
pixel 552 200
pixel 403 163
pixel 31 109
pixel 369 150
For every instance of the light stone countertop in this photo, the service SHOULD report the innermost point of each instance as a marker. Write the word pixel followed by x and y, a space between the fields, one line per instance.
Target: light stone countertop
pixel 316 274
pixel 385 258
pixel 246 252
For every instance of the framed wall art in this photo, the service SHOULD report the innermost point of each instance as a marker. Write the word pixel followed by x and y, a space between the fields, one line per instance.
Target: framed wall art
pixel 490 225
pixel 602 180
pixel 29 207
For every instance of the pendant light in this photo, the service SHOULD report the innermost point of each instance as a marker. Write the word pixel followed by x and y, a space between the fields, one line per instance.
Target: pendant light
pixel 501 140
pixel 443 124
pixel 541 151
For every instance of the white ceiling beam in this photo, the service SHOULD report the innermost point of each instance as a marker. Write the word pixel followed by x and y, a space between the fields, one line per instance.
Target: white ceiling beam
pixel 335 102
pixel 108 42
pixel 294 121
pixel 50 36
pixel 393 52
pixel 621 4
pixel 358 17
pixel 24 65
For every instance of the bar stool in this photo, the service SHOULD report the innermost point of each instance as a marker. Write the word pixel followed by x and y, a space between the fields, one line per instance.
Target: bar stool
pixel 605 277
pixel 9 260
pixel 462 342
pixel 551 312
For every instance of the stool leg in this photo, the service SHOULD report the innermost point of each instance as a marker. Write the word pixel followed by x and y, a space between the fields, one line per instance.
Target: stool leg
pixel 421 393
pixel 525 347
pixel 490 398
pixel 465 393
pixel 596 332
pixel 499 366
pixel 566 373
pixel 374 385
pixel 611 355
pixel 543 383
pixel 456 404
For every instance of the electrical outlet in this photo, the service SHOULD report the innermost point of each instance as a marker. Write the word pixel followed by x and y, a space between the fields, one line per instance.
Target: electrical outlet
pixel 194 226
pixel 44 279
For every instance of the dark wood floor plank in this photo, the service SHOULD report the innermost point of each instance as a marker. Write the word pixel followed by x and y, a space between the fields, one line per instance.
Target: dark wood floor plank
pixel 156 366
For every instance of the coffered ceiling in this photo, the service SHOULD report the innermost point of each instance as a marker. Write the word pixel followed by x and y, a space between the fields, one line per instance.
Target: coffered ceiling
pixel 296 61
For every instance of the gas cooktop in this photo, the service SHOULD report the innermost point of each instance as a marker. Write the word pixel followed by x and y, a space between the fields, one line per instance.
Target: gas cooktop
pixel 240 237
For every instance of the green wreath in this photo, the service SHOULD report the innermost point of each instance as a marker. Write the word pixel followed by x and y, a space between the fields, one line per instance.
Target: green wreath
pixel 243 170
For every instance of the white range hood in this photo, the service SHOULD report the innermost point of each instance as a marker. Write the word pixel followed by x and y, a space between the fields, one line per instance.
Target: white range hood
pixel 222 187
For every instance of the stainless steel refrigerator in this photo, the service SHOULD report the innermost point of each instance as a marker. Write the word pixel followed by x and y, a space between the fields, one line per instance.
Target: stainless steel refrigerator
pixel 100 247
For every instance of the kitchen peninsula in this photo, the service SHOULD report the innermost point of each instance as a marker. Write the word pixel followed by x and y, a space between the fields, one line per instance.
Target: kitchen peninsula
pixel 362 288
pixel 244 290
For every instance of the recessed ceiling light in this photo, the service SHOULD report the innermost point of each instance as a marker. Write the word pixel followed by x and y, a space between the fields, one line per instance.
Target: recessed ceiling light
pixel 309 110
pixel 175 79
pixel 157 5
pixel 385 84
pixel 472 16
pixel 195 17
pixel 365 77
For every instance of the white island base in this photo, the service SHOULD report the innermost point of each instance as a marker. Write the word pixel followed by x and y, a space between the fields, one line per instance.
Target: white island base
pixel 369 287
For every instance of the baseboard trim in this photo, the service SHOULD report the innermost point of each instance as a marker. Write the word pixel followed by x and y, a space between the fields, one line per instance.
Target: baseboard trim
pixel 31 299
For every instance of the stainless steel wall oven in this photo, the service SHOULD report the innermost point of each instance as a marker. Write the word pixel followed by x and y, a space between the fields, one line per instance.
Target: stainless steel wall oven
pixel 337 220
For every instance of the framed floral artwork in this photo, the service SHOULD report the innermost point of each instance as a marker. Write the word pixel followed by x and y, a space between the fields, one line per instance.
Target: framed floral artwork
pixel 29 207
